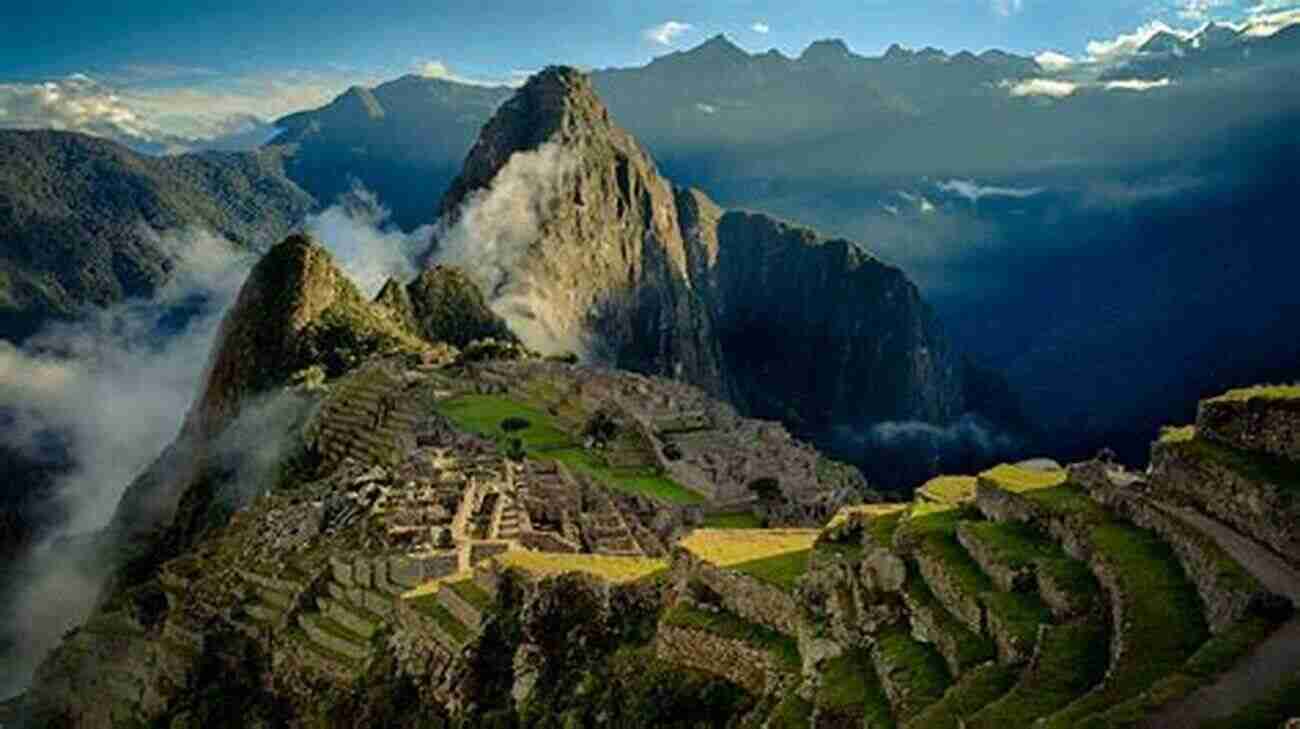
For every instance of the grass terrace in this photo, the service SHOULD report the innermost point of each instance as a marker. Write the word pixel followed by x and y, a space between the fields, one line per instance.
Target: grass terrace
pixel 948 490
pixel 612 569
pixel 1261 392
pixel 849 681
pixel 974 691
pixel 544 438
pixel 733 520
pixel 1071 660
pixel 775 556
pixel 1019 480
pixel 915 667
pixel 428 605
pixel 471 593
pixel 1164 625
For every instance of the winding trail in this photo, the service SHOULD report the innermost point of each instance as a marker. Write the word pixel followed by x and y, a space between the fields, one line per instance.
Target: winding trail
pixel 1260 672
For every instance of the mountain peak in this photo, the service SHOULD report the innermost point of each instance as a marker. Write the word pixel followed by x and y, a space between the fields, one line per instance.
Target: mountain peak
pixel 828 50
pixel 556 104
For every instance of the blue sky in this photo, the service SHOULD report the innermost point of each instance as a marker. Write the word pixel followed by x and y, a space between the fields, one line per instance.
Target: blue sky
pixel 195 69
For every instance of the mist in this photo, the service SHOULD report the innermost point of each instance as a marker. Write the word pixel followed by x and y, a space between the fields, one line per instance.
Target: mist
pixel 359 232
pixel 899 456
pixel 112 390
pixel 494 232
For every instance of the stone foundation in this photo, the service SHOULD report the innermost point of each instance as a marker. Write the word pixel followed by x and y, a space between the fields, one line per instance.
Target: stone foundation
pixel 1262 425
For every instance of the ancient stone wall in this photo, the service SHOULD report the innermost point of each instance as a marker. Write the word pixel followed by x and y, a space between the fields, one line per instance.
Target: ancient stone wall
pixel 1261 510
pixel 1262 425
pixel 741 594
pixel 744 665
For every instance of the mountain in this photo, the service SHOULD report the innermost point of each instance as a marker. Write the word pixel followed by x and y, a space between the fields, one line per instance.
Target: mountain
pixel 82 219
pixel 653 278
pixel 424 567
pixel 385 138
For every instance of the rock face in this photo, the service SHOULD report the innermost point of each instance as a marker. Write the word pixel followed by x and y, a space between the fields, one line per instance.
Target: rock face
pixel 660 280
pixel 446 306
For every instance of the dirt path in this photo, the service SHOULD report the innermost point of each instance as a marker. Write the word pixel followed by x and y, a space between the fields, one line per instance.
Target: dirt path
pixel 1259 673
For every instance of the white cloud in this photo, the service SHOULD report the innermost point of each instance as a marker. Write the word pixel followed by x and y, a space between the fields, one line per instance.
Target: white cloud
pixel 365 245
pixel 665 32
pixel 1053 61
pixel 436 68
pixel 761 27
pixel 1041 87
pixel 1123 46
pixel 1137 84
pixel 1265 22
pixel 168 118
pixel 974 191
pixel 1201 9
pixel 1007 8
pixel 707 108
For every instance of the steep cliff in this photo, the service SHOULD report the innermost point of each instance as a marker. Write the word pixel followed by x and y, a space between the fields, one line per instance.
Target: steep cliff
pixel 660 280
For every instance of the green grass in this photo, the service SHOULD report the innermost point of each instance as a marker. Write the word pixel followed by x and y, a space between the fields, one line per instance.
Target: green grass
pixel 974 691
pixel 1015 478
pixel 1072 659
pixel 299 636
pixel 782 571
pixel 1261 392
pixel 545 439
pixel 1022 613
pixel 1177 434
pixel 1216 656
pixel 1018 546
pixel 916 665
pixel 792 713
pixel 850 681
pixel 881 528
pixel 972 648
pixel 732 520
pixel 948 489
pixel 1068 502
pixel 1164 624
pixel 472 594
pixel 429 606
pixel 1282 704
pixel 784 648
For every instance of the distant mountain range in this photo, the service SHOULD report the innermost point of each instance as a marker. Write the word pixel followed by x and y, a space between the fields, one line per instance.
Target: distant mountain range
pixel 1013 205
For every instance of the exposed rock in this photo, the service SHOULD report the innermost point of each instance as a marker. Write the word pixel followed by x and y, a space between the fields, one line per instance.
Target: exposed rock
pixel 446 306
pixel 1258 423
pixel 660 280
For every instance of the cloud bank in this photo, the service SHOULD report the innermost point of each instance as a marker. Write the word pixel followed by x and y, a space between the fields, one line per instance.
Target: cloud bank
pixel 365 244
pixel 493 235
pixel 974 192
pixel 113 388
pixel 666 32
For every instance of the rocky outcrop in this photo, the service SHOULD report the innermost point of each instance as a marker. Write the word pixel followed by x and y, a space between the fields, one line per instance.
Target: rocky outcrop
pixel 446 306
pixel 1252 492
pixel 1254 420
pixel 660 280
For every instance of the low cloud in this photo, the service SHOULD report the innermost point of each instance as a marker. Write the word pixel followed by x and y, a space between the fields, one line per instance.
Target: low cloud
pixel 436 68
pixel 492 236
pixel 1052 61
pixel 665 33
pixel 1202 9
pixel 1124 46
pixel 1137 84
pixel 974 191
pixel 135 109
pixel 1054 88
pixel 366 245
pixel 113 389
pixel 761 27
pixel 707 108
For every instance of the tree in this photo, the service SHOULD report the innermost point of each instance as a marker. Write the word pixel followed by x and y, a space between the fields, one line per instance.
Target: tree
pixel 514 424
